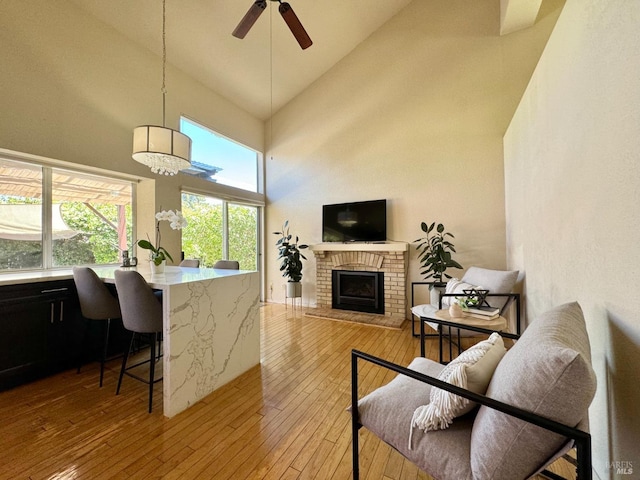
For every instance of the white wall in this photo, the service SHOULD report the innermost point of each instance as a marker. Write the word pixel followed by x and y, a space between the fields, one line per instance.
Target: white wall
pixel 73 89
pixel 572 196
pixel 415 114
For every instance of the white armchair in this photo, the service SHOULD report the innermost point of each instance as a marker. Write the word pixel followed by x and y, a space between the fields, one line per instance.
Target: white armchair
pixel 533 410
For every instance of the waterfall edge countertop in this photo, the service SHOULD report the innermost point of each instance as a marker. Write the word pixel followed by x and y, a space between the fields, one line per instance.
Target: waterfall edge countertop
pixel 211 325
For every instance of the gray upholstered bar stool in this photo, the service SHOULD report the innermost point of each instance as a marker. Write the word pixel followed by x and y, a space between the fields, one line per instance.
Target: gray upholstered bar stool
pixel 190 262
pixel 227 264
pixel 96 303
pixel 141 314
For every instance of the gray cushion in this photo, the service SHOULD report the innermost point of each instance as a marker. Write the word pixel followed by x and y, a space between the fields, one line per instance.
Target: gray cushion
pixel 387 412
pixel 548 372
pixel 96 301
pixel 227 264
pixel 141 310
pixel 496 281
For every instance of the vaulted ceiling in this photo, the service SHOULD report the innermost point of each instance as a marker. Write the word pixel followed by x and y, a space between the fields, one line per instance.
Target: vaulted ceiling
pixel 265 70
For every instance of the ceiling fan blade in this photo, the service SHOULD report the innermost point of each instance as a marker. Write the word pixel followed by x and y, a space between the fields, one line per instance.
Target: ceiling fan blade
pixel 250 18
pixel 294 25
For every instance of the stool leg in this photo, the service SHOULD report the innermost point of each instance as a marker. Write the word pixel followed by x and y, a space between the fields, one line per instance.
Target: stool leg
pixel 125 357
pixel 152 367
pixel 105 348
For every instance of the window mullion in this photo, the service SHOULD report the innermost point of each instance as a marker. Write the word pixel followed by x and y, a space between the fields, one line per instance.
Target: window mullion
pixel 47 206
pixel 225 230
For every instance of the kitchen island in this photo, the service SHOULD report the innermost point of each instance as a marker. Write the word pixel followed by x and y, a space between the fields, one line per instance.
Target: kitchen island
pixel 211 326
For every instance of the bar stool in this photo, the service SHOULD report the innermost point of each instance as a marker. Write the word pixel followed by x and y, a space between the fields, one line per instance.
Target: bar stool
pixel 96 303
pixel 141 314
pixel 190 262
pixel 227 264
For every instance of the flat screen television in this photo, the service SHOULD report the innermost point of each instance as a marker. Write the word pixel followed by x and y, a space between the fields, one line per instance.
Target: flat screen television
pixel 355 222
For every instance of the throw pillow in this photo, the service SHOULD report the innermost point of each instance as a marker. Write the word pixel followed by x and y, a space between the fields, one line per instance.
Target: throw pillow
pixel 472 370
pixel 456 286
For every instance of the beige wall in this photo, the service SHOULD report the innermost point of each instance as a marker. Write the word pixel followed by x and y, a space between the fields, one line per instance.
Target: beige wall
pixel 73 89
pixel 572 196
pixel 416 115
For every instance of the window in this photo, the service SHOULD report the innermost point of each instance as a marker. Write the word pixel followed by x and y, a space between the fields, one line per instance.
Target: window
pixel 220 230
pixel 242 233
pixel 98 211
pixel 219 159
pixel 21 216
pixel 52 217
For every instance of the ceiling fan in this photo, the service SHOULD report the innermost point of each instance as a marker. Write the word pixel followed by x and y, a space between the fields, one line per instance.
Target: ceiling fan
pixel 287 13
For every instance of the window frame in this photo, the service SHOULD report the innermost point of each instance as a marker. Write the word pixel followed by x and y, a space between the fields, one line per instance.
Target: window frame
pixel 259 237
pixel 48 166
pixel 241 193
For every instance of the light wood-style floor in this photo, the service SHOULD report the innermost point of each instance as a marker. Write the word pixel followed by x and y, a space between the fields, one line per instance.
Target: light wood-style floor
pixel 284 419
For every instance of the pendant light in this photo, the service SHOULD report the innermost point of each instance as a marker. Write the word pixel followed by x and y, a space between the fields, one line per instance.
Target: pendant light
pixel 164 150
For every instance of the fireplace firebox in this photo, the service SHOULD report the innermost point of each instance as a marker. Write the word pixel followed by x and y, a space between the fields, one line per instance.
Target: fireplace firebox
pixel 358 291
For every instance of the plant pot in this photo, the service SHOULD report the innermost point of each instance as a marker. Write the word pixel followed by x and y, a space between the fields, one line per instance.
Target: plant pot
pixel 294 289
pixel 157 269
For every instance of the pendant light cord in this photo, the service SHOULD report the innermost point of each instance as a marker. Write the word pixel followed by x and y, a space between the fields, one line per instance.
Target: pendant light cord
pixel 164 60
pixel 271 84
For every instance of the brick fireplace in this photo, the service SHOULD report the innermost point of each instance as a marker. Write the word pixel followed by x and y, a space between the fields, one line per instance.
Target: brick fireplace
pixel 390 258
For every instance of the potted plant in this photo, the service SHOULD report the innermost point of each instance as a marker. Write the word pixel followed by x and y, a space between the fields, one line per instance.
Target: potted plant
pixel 435 252
pixel 158 255
pixel 291 264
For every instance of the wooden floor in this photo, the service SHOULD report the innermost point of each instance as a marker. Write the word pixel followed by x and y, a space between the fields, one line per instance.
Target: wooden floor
pixel 284 419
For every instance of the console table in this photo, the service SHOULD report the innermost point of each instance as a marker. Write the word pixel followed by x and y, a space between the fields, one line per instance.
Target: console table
pixel 480 325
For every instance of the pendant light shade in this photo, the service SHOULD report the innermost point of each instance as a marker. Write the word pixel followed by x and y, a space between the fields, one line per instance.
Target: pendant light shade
pixel 164 150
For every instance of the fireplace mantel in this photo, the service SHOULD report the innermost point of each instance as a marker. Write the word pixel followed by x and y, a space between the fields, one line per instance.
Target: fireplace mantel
pixel 360 247
pixel 392 258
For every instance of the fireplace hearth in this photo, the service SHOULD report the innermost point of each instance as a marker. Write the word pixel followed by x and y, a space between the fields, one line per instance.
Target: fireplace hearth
pixel 358 290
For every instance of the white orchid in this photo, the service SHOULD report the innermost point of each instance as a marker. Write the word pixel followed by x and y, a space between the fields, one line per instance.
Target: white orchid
pixel 176 219
pixel 176 222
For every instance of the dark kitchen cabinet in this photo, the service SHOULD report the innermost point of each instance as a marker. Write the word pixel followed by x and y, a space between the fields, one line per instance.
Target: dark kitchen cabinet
pixel 40 330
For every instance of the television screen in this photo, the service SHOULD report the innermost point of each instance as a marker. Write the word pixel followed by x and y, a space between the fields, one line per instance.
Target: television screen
pixel 355 222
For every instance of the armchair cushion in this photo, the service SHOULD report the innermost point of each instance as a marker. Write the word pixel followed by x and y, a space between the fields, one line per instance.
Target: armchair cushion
pixel 387 412
pixel 547 372
pixel 472 370
pixel 455 286
pixel 496 281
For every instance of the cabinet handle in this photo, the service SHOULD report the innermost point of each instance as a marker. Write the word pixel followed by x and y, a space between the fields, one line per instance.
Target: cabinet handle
pixel 52 312
pixel 61 310
pixel 51 290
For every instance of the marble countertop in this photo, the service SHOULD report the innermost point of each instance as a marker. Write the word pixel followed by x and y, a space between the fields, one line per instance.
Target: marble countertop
pixel 171 276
